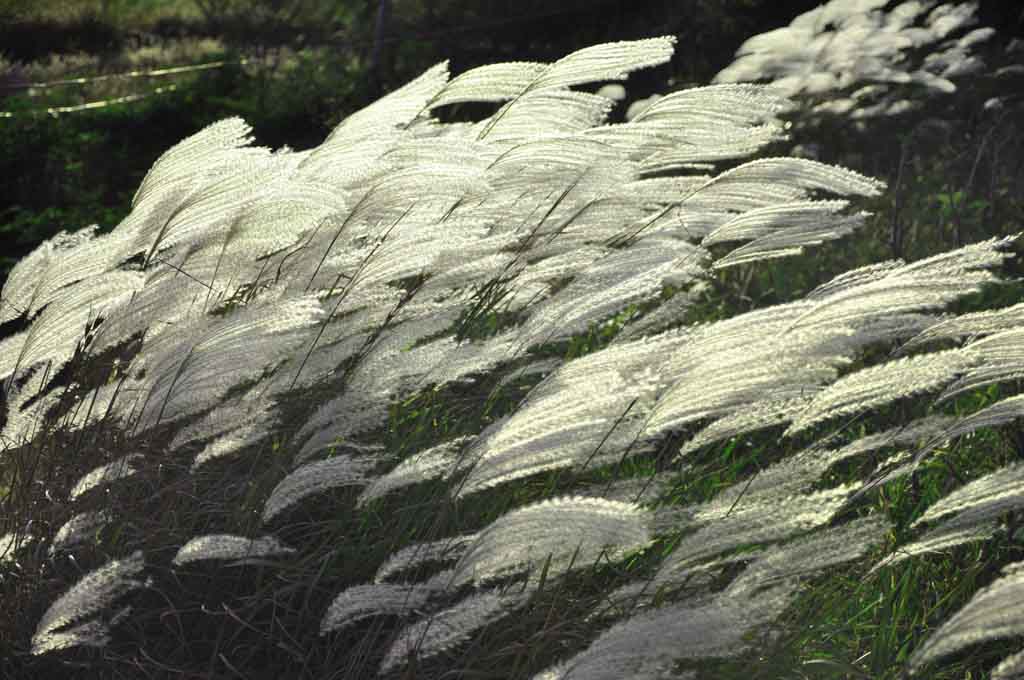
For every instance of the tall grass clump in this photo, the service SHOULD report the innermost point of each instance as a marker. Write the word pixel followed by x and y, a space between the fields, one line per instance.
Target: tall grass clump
pixel 865 59
pixel 443 399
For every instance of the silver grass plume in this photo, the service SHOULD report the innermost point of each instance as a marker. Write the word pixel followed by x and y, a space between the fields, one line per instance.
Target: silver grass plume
pixel 374 599
pixel 79 528
pixel 1010 667
pixel 94 592
pixel 229 547
pixel 977 506
pixel 316 477
pixel 993 612
pixel 283 272
pixel 442 630
pixel 105 474
pixel 417 554
pixel 647 645
pixel 860 59
pixel 560 534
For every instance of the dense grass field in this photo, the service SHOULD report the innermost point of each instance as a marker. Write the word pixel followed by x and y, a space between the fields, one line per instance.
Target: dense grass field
pixel 483 382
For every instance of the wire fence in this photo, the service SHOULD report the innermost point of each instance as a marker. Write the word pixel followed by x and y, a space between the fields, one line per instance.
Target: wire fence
pixel 418 34
pixel 112 101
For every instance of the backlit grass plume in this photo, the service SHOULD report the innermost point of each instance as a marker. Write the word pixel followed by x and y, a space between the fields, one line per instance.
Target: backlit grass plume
pixel 862 59
pixel 327 413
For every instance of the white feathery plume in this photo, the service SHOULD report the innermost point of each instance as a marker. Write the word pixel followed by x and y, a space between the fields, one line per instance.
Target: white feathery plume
pixel 877 385
pixel 610 61
pixel 415 555
pixel 349 155
pixel 994 612
pixel 375 599
pixel 856 45
pixel 85 256
pixel 899 289
pixel 944 537
pixel 167 300
pixel 94 592
pixel 555 112
pixel 754 370
pixel 10 355
pixel 1010 668
pixel 1000 413
pixel 668 313
pixel 176 166
pixel 1001 358
pixel 912 434
pixel 314 478
pixel 698 125
pixel 24 419
pixel 229 547
pixel 755 416
pixel 609 285
pixel 398 109
pixel 792 240
pixel 440 461
pixel 511 81
pixel 364 384
pixel 760 222
pixel 788 477
pixel 60 328
pixel 208 212
pixel 27 279
pixel 648 645
pixel 806 556
pixel 981 323
pixel 561 533
pixel 769 366
pixel 533 438
pixel 983 498
pixel 226 416
pixel 490 83
pixel 590 425
pixel 105 474
pixel 95 407
pixel 756 517
pixel 389 372
pixel 94 633
pixel 190 375
pixel 231 443
pixel 79 529
pixel 445 629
